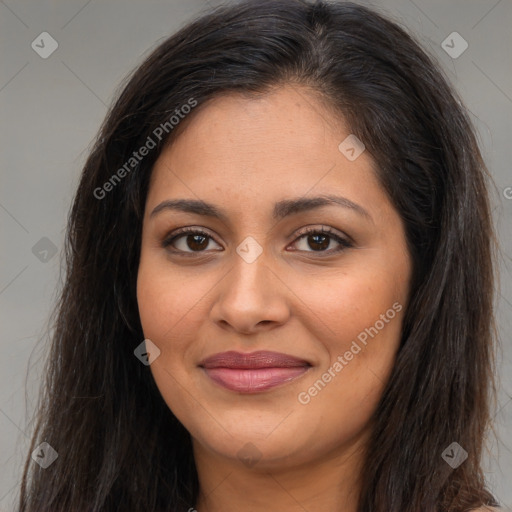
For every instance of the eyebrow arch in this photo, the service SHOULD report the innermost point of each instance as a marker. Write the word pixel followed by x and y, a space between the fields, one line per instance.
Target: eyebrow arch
pixel 282 208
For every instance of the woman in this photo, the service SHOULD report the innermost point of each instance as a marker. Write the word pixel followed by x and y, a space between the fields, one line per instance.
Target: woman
pixel 280 280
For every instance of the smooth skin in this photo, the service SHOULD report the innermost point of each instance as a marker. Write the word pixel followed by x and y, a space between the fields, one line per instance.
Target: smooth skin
pixel 198 297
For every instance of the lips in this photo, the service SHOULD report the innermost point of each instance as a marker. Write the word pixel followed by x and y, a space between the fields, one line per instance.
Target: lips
pixel 253 372
pixel 261 359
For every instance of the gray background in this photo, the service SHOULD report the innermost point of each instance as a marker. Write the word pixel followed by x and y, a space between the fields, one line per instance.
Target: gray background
pixel 51 109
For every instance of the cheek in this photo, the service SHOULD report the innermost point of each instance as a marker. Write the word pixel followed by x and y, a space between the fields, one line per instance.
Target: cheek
pixel 342 306
pixel 359 346
pixel 155 304
pixel 168 301
pixel 172 308
pixel 163 316
pixel 358 318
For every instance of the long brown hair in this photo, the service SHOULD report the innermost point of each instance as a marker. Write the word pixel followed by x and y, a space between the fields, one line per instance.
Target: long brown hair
pixel 119 445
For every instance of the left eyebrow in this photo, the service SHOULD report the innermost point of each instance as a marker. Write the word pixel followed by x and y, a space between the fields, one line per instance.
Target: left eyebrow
pixel 282 208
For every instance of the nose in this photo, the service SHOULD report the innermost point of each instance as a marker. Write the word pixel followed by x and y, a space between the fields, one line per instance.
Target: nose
pixel 251 298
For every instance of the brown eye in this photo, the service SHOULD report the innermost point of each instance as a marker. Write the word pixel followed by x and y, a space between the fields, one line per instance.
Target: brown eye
pixel 320 239
pixel 190 240
pixel 196 242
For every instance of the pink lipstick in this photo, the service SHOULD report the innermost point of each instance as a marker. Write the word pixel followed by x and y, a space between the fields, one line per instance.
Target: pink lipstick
pixel 253 372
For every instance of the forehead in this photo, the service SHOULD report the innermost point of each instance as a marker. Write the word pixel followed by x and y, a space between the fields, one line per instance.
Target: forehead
pixel 285 133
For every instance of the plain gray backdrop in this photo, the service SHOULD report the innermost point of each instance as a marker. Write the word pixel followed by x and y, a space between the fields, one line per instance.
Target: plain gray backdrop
pixel 52 107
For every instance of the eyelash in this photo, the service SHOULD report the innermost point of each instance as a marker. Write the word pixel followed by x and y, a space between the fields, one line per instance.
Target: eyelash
pixel 344 244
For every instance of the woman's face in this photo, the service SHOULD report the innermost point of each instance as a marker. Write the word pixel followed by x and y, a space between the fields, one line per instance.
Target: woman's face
pixel 328 305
